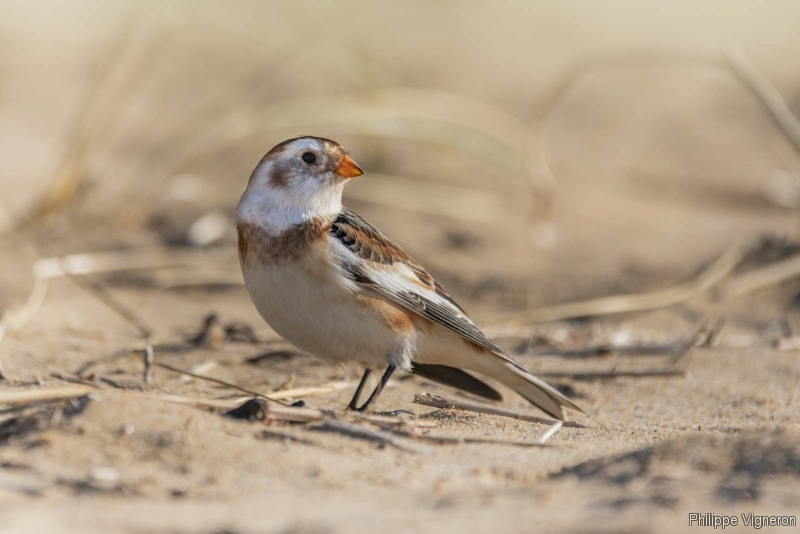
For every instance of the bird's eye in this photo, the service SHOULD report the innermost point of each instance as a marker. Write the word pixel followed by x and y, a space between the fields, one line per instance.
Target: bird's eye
pixel 309 157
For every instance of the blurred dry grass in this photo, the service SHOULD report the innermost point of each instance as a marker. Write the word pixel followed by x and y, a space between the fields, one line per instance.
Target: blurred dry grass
pixel 150 92
pixel 530 154
pixel 149 109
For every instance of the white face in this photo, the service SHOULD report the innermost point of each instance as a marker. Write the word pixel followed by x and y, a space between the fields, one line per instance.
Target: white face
pixel 297 180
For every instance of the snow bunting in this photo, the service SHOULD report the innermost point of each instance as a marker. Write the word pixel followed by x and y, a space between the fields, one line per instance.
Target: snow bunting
pixel 333 285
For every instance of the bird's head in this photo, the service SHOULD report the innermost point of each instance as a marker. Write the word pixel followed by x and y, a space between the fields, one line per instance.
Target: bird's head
pixel 297 180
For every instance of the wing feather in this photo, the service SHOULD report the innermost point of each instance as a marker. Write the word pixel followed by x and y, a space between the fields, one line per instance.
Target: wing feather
pixel 387 270
pixel 374 263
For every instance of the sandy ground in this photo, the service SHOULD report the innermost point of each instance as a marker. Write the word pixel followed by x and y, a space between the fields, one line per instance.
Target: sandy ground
pixel 659 169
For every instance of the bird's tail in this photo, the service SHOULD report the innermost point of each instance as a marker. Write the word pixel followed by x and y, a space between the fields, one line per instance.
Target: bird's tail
pixel 535 390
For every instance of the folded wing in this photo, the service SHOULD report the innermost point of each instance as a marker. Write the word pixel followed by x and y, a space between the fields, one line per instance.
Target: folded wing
pixel 375 263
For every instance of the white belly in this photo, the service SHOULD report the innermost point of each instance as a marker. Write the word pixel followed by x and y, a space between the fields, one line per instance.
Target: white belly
pixel 308 304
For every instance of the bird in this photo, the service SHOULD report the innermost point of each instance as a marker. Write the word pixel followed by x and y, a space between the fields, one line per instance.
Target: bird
pixel 335 286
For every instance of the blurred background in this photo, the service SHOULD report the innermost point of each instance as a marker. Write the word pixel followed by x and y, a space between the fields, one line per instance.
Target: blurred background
pixel 528 154
pixel 613 132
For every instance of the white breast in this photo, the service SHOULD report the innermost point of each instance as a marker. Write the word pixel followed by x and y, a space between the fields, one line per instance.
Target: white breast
pixel 309 303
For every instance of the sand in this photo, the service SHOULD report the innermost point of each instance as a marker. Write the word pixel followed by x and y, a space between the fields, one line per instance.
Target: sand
pixel 658 171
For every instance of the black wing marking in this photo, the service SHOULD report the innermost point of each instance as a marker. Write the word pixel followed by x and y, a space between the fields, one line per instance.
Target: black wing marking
pixel 456 378
pixel 370 244
pixel 439 313
pixel 379 252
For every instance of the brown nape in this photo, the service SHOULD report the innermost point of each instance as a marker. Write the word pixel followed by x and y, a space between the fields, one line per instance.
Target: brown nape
pixel 289 245
pixel 280 146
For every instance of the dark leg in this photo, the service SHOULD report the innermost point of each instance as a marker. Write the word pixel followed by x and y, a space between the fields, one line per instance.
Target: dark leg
pixel 375 394
pixel 354 401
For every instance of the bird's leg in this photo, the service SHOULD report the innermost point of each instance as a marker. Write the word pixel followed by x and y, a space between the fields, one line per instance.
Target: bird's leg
pixel 354 401
pixel 376 393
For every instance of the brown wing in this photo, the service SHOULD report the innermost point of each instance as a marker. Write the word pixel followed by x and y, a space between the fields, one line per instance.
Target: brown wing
pixel 369 243
pixel 377 264
pixel 422 294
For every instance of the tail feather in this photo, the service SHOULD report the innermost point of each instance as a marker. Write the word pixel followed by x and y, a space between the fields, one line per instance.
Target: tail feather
pixel 535 390
pixel 456 378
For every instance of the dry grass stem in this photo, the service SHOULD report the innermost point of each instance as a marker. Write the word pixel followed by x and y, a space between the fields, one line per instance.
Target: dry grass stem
pixel 148 364
pixel 452 440
pixel 200 368
pixel 551 432
pixel 116 261
pixel 275 396
pixel 102 295
pixel 677 368
pixel 661 298
pixel 197 402
pixel 789 343
pixel 214 380
pixel 72 266
pixel 605 349
pixel 3 374
pixel 269 433
pixel 435 401
pixel 708 335
pixel 281 413
pixel 767 94
pixel 763 277
pixel 371 434
pixel 44 395
pixel 309 391
pixel 115 83
pixel 404 422
pixel 17 319
pixel 75 265
pixel 663 373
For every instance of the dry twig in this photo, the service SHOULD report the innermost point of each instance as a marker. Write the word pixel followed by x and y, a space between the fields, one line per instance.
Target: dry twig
pixel 436 401
pixel 791 343
pixel 276 396
pixel 214 380
pixel 269 433
pixel 451 440
pixel 43 395
pixel 113 85
pixel 666 373
pixel 102 295
pixel 371 434
pixel 551 432
pixel 637 349
pixel 199 368
pixel 197 402
pixel 661 298
pixel 17 318
pixel 277 412
pixel 148 364
pixel 767 93
pixel 770 275
pixel 677 367
pixel 308 391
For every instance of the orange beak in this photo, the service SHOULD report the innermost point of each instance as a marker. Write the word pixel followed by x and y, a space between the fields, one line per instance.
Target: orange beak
pixel 348 168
